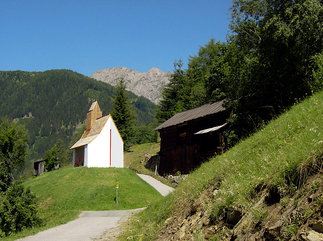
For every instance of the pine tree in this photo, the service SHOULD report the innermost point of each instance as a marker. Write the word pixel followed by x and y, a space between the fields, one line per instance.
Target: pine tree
pixel 123 114
pixel 13 150
pixel 173 95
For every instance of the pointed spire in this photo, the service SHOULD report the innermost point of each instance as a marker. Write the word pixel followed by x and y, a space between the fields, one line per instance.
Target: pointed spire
pixel 93 114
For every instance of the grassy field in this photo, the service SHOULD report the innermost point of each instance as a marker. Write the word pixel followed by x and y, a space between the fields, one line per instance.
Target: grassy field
pixel 135 160
pixel 280 155
pixel 64 193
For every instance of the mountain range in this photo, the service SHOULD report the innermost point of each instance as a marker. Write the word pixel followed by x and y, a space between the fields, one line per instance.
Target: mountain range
pixel 149 84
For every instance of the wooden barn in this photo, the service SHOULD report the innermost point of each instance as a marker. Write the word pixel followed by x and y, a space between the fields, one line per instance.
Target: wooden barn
pixel 101 144
pixel 191 137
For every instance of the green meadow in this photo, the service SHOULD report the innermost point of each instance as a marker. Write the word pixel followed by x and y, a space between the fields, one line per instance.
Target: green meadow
pixel 64 193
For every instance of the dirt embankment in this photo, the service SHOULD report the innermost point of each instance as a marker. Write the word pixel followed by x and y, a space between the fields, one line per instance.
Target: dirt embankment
pixel 277 214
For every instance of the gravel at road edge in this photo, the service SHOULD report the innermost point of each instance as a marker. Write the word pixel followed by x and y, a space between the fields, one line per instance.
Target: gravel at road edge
pixel 112 233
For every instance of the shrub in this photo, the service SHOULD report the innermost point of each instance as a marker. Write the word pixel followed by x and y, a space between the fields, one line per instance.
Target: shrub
pixel 18 210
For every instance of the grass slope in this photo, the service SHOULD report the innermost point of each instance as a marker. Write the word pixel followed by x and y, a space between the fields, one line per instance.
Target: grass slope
pixel 280 155
pixel 137 157
pixel 64 193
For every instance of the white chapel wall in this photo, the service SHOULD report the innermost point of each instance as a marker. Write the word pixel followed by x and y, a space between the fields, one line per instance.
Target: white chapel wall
pixel 117 147
pixel 98 149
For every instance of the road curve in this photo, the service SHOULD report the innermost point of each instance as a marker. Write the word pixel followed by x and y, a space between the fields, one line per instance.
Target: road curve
pixel 160 187
pixel 93 224
pixel 90 225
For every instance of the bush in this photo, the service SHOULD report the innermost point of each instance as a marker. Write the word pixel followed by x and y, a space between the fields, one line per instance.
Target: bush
pixel 18 210
pixel 51 159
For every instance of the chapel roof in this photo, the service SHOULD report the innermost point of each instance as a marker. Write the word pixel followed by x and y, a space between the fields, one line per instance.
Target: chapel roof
pixel 90 135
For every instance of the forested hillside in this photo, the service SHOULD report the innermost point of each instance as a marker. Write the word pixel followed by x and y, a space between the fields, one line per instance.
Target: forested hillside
pixel 53 103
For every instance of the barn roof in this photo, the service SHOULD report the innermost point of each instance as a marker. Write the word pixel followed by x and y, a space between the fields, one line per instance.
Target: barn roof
pixel 90 135
pixel 198 112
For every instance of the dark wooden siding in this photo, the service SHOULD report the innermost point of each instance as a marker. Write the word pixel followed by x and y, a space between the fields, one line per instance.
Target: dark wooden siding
pixel 181 156
pixel 181 159
pixel 168 138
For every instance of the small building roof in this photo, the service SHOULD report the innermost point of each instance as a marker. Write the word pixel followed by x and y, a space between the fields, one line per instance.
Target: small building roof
pixel 40 160
pixel 198 112
pixel 90 135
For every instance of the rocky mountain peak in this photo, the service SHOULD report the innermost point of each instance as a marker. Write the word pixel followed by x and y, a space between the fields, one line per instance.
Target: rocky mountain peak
pixel 149 84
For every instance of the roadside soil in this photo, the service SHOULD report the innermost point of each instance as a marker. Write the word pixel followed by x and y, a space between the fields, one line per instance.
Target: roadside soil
pixel 277 214
pixel 113 233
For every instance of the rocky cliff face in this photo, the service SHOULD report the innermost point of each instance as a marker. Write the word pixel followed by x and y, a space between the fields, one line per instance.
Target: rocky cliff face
pixel 149 84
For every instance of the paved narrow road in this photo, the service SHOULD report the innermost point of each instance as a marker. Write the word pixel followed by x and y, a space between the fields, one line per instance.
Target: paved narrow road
pixel 92 225
pixel 160 187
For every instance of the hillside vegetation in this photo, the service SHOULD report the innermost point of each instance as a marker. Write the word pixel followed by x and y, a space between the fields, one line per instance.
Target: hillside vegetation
pixel 53 103
pixel 64 193
pixel 272 56
pixel 263 187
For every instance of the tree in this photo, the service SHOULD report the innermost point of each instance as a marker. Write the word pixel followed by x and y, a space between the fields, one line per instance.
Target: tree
pixel 58 154
pixel 292 33
pixel 18 209
pixel 123 114
pixel 201 83
pixel 62 153
pixel 318 72
pixel 13 148
pixel 144 133
pixel 174 95
pixel 51 159
pixel 5 178
pixel 271 57
pixel 284 36
pixel 206 72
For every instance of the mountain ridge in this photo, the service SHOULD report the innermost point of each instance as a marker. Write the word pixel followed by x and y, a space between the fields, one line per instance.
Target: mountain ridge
pixel 51 104
pixel 148 84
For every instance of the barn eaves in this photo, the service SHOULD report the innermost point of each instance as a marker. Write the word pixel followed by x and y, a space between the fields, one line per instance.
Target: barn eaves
pixel 198 112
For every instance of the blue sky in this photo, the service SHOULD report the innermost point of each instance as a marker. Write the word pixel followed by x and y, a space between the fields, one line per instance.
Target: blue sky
pixel 85 36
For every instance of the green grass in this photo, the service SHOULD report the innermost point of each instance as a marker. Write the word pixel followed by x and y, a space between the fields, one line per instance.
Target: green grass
pixel 64 193
pixel 280 155
pixel 134 159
